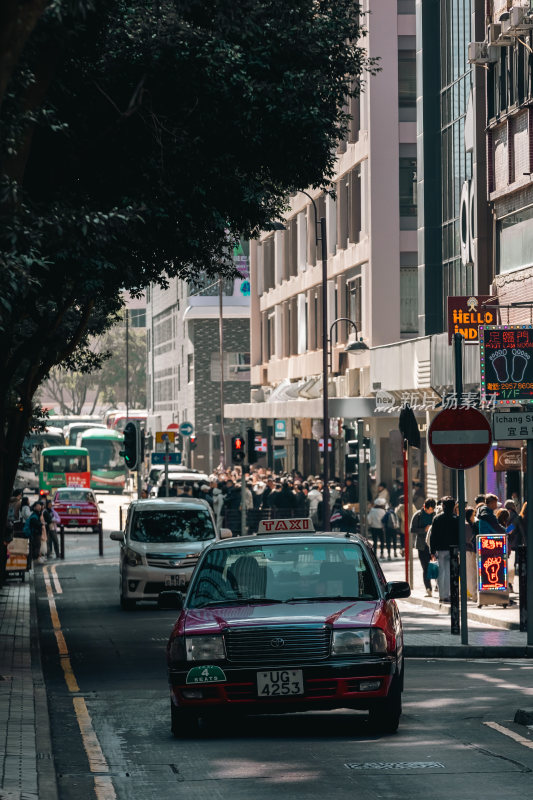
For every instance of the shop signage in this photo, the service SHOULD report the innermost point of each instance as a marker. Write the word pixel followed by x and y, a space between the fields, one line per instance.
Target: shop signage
pixel 507 460
pixel 512 425
pixel 466 314
pixel 492 562
pixel 280 429
pixel 506 363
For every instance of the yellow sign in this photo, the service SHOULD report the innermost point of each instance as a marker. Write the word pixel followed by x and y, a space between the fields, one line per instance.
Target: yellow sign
pixel 165 436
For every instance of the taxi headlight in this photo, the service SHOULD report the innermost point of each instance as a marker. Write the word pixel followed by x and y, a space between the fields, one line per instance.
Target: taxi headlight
pixel 133 558
pixel 204 648
pixel 358 641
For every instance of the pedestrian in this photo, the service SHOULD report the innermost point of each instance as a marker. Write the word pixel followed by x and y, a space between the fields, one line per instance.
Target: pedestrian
pixel 301 505
pixel 488 522
pixel 391 526
pixel 471 530
pixel 52 520
pixel 349 495
pixel 443 534
pixel 218 504
pixel 383 493
pixel 418 495
pixel 479 501
pixel 314 497
pixel 25 509
pixel 375 524
pixel 420 524
pixel 36 530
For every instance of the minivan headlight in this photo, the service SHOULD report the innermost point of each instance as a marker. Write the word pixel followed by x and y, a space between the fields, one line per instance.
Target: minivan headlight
pixel 204 648
pixel 357 641
pixel 133 558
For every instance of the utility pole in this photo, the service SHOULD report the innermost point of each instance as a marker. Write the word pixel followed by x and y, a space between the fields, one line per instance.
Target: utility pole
pixel 167 451
pixel 210 456
pixel 458 353
pixel 243 485
pixel 127 366
pixel 362 476
pixel 325 371
pixel 221 351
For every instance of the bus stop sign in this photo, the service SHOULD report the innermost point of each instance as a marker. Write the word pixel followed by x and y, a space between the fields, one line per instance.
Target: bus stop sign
pixel 460 438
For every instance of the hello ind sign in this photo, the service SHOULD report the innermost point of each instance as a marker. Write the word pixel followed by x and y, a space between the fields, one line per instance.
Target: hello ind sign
pixel 466 314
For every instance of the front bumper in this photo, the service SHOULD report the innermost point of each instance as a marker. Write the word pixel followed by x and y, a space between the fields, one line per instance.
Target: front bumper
pixel 328 685
pixel 146 582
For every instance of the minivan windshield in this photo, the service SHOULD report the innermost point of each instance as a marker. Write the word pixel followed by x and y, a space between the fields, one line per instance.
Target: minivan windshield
pixel 283 573
pixel 166 525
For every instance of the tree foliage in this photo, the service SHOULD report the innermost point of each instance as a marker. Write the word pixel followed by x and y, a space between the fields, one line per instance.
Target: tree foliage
pixel 138 138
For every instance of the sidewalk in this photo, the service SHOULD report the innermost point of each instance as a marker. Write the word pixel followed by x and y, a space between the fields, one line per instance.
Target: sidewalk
pixel 493 631
pixel 26 762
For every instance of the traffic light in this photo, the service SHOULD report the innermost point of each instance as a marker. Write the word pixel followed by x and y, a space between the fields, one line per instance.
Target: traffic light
pixel 192 441
pixel 130 445
pixel 237 449
pixel 250 446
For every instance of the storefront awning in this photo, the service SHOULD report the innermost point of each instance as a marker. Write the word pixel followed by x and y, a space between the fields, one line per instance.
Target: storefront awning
pixel 345 407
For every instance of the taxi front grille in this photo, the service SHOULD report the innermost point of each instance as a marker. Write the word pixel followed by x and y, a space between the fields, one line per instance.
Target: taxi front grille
pixel 278 644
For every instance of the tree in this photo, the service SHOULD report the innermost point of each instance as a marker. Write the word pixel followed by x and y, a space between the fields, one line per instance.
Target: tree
pixel 138 139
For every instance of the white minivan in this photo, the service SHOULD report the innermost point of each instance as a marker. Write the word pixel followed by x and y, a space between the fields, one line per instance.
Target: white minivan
pixel 160 545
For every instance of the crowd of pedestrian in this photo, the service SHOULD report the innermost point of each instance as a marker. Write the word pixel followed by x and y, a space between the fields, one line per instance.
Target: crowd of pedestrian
pixel 37 523
pixel 435 528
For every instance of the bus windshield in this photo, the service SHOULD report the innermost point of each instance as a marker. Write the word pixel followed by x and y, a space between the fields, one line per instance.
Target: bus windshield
pixel 64 463
pixel 104 453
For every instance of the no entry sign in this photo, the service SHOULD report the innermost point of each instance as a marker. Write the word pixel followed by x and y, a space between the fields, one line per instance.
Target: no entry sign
pixel 460 437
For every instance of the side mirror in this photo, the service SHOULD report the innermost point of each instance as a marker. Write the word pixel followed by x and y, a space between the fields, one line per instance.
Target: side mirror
pixel 170 599
pixel 395 590
pixel 225 533
pixel 117 536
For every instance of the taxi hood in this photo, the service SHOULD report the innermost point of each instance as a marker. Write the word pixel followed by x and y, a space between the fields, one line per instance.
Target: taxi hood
pixel 337 613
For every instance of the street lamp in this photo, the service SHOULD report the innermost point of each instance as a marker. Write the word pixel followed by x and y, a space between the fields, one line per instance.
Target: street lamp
pixel 320 236
pixel 351 347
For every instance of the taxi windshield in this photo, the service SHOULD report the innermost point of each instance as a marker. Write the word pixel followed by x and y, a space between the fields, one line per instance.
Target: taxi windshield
pixel 283 573
pixel 165 526
pixel 72 496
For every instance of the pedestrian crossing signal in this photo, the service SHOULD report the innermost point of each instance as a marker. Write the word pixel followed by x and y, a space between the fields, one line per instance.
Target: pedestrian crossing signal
pixel 237 449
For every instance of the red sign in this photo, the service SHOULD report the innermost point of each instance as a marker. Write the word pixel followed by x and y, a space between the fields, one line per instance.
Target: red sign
pixel 79 479
pixel 466 314
pixel 173 426
pixel 460 437
pixel 321 445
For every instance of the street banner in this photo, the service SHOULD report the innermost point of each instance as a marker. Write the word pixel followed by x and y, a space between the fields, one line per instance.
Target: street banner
pixel 467 313
pixel 507 460
pixel 506 363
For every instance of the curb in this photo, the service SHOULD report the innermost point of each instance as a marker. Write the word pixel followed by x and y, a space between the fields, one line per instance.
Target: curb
pixel 46 774
pixel 467 651
pixel 474 616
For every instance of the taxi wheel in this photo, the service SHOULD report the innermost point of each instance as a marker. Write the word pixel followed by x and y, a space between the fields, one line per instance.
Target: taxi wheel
pixel 384 716
pixel 183 724
pixel 127 604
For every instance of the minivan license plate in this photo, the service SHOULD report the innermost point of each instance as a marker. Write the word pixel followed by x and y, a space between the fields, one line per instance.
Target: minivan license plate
pixel 280 683
pixel 172 580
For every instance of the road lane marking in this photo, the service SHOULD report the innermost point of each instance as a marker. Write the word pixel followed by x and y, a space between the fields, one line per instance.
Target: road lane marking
pixel 57 585
pixel 511 734
pixel 103 785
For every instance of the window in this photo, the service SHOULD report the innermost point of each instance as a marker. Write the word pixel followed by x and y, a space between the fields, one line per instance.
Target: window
pixel 190 367
pixel 408 205
pixel 409 300
pixel 137 317
pixel 354 302
pixel 407 78
pixel 236 367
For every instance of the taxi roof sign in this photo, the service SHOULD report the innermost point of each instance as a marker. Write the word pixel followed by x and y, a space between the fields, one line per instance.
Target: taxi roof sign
pixel 302 525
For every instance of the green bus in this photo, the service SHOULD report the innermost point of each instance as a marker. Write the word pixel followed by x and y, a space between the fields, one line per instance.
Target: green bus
pixel 64 466
pixel 107 465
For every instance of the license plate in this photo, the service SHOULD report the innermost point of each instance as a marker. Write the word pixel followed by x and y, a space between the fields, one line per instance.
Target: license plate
pixel 73 511
pixel 173 580
pixel 280 683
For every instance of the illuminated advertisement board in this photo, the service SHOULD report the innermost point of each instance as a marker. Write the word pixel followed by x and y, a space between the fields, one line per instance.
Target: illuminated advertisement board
pixel 492 562
pixel 506 353
pixel 466 314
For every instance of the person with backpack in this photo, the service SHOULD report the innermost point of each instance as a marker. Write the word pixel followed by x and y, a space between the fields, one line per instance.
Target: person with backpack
pixel 391 526
pixel 34 526
pixel 420 524
pixel 52 521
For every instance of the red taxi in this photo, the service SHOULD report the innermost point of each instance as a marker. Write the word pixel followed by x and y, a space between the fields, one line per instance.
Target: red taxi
pixel 287 621
pixel 77 508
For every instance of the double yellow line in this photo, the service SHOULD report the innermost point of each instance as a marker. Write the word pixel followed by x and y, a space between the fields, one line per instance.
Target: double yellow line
pixel 103 786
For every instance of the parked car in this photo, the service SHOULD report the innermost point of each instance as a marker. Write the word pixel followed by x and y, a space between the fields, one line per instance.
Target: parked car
pixel 78 508
pixel 160 545
pixel 283 623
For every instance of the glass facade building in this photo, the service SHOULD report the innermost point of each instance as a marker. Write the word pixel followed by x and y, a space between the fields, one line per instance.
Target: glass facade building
pixel 456 166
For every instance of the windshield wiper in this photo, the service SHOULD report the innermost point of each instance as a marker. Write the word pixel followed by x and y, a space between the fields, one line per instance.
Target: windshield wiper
pixel 320 599
pixel 243 601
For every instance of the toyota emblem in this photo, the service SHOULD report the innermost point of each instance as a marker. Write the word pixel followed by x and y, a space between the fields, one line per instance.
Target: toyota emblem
pixel 277 642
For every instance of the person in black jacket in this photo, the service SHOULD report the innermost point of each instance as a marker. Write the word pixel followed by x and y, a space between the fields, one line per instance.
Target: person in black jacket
pixel 420 524
pixel 444 534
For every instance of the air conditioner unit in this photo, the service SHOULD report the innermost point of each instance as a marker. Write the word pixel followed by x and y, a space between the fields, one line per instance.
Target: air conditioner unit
pixel 257 396
pixel 481 53
pixel 496 37
pixel 518 22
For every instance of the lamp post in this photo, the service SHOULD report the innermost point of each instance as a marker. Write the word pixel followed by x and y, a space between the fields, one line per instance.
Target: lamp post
pixel 320 236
